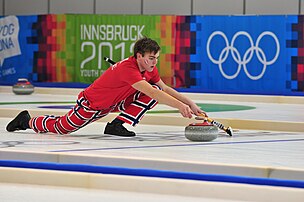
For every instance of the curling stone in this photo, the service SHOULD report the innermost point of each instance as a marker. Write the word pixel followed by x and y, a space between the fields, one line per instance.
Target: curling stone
pixel 23 87
pixel 201 132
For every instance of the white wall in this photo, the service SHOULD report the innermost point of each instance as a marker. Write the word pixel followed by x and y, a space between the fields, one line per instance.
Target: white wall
pixel 167 7
pixel 118 7
pixel 25 7
pixel 71 6
pixel 218 7
pixel 272 7
pixel 1 7
pixel 157 7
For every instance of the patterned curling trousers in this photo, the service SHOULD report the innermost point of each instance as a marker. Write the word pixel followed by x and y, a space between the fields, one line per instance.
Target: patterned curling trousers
pixel 132 110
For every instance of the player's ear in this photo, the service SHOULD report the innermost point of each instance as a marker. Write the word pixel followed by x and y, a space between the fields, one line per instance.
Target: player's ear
pixel 139 55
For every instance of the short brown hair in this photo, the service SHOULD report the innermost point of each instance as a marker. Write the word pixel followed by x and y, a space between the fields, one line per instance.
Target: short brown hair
pixel 145 45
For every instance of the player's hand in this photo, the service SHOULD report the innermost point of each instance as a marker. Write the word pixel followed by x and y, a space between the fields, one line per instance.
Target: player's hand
pixel 198 111
pixel 186 111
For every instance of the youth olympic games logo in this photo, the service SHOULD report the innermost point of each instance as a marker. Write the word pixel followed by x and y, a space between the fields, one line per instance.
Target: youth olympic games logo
pixel 247 57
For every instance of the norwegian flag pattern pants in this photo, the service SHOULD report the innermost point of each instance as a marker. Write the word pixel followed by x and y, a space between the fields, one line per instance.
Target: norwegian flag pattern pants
pixel 132 110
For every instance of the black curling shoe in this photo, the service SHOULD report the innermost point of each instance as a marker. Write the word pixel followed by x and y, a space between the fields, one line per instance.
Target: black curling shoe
pixel 20 122
pixel 118 129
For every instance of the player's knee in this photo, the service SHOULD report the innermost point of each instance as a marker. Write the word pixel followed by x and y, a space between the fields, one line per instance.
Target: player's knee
pixel 61 130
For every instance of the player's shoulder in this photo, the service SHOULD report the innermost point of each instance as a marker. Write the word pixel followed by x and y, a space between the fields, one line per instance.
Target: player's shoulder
pixel 129 62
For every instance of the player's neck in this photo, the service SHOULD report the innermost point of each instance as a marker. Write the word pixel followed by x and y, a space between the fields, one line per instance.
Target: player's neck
pixel 141 69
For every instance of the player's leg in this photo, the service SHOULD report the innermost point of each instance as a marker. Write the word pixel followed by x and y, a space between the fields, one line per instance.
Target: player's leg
pixel 76 118
pixel 132 111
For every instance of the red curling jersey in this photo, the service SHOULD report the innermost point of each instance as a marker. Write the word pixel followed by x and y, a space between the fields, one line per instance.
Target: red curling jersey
pixel 115 84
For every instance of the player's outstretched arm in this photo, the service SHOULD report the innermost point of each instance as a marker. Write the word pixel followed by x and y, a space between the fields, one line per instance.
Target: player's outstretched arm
pixel 163 97
pixel 196 109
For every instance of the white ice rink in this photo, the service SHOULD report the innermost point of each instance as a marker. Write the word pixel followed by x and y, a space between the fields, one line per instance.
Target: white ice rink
pixel 273 154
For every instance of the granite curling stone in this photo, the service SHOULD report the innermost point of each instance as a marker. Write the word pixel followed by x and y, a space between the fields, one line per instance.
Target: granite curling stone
pixel 201 132
pixel 23 87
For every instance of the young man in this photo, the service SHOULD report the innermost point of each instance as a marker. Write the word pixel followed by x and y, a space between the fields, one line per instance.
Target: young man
pixel 131 86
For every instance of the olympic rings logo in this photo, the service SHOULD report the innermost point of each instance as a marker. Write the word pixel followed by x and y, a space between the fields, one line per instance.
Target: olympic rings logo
pixel 247 57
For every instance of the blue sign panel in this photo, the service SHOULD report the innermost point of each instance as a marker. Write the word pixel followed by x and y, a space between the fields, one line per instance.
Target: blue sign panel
pixel 16 48
pixel 241 54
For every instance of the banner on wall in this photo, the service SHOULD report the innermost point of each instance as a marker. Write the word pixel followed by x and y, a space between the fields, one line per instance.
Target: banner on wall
pixel 114 37
pixel 9 44
pixel 110 36
pixel 246 54
pixel 71 48
pixel 16 54
pixel 226 54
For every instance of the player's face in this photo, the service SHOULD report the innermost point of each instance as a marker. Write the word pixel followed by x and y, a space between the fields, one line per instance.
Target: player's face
pixel 148 61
